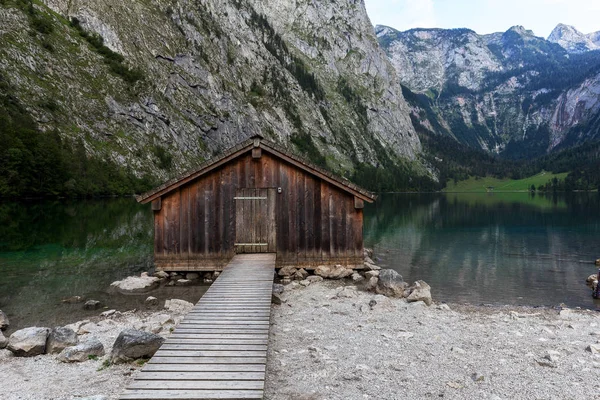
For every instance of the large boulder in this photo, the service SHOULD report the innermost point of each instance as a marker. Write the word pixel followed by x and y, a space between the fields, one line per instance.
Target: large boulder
pixel 133 344
pixel 3 321
pixel 333 271
pixel 135 284
pixel 92 305
pixel 178 306
pixel 419 291
pixel 83 351
pixel 288 270
pixel 28 342
pixel 390 283
pixel 3 341
pixel 59 339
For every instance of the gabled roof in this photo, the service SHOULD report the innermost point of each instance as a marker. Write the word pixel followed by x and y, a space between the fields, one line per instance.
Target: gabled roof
pixel 256 141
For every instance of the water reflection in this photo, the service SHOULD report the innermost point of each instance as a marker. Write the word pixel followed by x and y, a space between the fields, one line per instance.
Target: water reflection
pixel 501 248
pixel 53 250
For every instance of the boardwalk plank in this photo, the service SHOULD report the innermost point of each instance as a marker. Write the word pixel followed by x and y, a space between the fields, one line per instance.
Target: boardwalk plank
pixel 200 376
pixel 208 360
pixel 204 368
pixel 191 394
pixel 219 350
pixel 184 384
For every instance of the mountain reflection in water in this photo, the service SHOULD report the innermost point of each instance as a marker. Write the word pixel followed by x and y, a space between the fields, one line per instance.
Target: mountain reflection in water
pixel 490 248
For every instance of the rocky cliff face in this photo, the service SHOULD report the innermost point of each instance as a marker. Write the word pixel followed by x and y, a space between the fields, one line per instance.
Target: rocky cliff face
pixel 510 93
pixel 198 76
pixel 574 41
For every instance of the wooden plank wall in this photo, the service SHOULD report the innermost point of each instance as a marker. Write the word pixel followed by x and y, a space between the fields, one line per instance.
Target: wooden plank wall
pixel 316 222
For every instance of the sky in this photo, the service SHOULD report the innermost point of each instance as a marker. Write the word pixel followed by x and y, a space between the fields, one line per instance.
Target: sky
pixel 486 16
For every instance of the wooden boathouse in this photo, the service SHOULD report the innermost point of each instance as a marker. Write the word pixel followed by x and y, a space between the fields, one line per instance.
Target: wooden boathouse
pixel 257 198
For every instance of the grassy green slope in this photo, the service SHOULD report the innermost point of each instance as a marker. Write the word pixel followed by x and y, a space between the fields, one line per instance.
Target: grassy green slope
pixel 502 185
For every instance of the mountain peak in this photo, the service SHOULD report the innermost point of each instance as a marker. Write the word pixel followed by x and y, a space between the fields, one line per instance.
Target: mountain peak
pixel 520 29
pixel 382 30
pixel 572 40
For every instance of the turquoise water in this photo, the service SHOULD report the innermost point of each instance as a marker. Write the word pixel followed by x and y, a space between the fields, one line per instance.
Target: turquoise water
pixel 497 248
pixel 50 251
pixel 478 248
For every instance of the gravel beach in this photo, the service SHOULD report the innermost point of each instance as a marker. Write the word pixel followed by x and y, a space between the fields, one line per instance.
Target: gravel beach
pixel 330 341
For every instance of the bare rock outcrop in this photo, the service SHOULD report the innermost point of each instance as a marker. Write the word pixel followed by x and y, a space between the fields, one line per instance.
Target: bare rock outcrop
pixel 132 344
pixel 28 342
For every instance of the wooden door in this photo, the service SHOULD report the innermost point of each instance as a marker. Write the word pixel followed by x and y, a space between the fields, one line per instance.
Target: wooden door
pixel 255 220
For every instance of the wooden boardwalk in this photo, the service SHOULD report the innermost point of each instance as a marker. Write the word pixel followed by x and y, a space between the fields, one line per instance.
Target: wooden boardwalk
pixel 219 351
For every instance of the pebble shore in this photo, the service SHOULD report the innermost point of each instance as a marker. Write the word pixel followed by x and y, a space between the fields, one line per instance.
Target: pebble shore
pixel 333 341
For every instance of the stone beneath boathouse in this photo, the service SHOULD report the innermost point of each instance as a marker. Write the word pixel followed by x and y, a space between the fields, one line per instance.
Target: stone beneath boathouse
pixel 135 284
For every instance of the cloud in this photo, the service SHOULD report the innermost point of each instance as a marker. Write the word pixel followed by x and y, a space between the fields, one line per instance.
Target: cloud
pixel 402 14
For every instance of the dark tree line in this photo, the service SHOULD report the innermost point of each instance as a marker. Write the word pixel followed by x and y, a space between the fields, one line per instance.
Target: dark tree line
pixel 36 163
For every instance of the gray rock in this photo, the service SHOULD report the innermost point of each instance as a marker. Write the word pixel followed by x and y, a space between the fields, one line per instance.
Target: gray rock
pixel 294 285
pixel 390 283
pixel 28 342
pixel 418 304
pixel 183 282
pixel 371 267
pixel 546 363
pixel 278 288
pixel 368 252
pixel 216 274
pixel 333 271
pixel 108 313
pixel 92 305
pixel 276 299
pixel 83 351
pixel 4 324
pixel 457 350
pixel 151 301
pixel 444 307
pixel 176 276
pixel 552 355
pixel 592 278
pixel 178 306
pixel 356 277
pixel 132 344
pixel 371 274
pixel 3 341
pixel 60 338
pixel 420 291
pixel 286 280
pixel 161 319
pixel 161 275
pixel 301 274
pixel 347 292
pixel 135 284
pixel 305 282
pixel 314 278
pixel 372 283
pixel 477 377
pixel 72 300
pixel 288 270
pixel 192 276
pixel 593 348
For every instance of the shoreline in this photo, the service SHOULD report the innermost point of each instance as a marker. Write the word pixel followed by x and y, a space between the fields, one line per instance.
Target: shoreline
pixel 331 340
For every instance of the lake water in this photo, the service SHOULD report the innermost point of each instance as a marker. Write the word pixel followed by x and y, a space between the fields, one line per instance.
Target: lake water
pixel 510 248
pixel 50 251
pixel 490 248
